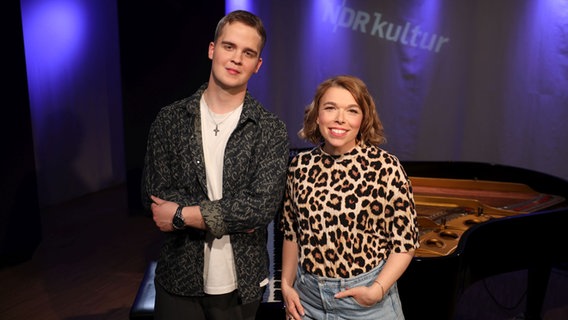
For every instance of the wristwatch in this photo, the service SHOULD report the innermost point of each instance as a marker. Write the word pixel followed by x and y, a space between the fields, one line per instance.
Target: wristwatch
pixel 178 222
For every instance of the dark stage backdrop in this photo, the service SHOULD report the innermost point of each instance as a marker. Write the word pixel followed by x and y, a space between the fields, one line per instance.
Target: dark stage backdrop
pixel 482 81
pixel 73 76
pixel 163 56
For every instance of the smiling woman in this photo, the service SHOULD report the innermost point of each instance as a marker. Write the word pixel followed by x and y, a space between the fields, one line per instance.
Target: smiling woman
pixel 339 119
pixel 349 219
pixel 355 99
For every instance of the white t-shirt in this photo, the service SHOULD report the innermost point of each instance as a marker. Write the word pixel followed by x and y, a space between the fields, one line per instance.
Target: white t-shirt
pixel 219 273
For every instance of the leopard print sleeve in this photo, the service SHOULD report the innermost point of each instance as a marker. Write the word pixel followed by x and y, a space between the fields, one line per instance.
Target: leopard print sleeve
pixel 402 225
pixel 288 223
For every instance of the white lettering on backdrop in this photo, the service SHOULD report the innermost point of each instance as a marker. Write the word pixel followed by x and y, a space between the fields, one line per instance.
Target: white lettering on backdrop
pixel 376 26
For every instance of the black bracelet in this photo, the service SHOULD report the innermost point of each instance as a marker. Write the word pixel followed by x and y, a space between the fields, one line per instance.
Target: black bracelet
pixel 178 217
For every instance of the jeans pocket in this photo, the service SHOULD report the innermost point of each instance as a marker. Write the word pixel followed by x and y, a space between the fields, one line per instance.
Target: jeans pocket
pixel 350 303
pixel 355 302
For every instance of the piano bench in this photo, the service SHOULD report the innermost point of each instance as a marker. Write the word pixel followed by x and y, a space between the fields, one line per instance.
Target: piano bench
pixel 143 306
pixel 271 310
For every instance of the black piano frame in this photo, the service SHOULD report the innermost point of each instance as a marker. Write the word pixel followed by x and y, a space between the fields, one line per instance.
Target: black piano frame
pixel 431 287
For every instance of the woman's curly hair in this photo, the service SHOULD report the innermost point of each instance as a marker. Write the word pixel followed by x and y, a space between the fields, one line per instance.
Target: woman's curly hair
pixel 371 130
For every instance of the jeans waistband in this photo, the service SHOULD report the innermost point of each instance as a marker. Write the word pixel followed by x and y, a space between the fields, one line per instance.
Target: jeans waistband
pixel 361 279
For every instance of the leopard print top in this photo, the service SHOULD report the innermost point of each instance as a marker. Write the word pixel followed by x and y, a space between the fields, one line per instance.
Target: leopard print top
pixel 348 212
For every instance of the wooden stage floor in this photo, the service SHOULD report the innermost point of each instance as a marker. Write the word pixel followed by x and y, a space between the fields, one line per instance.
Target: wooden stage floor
pixel 94 253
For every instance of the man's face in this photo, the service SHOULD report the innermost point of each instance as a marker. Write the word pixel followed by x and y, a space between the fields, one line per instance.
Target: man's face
pixel 235 56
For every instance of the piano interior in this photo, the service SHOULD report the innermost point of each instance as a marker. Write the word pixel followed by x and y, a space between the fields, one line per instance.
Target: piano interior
pixel 446 208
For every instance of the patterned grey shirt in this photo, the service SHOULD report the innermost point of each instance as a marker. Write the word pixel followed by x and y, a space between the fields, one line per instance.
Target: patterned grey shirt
pixel 254 175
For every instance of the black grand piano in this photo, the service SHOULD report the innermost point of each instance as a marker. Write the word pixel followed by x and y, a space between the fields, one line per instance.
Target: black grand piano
pixel 476 220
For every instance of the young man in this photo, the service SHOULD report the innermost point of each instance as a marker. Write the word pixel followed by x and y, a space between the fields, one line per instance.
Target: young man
pixel 214 177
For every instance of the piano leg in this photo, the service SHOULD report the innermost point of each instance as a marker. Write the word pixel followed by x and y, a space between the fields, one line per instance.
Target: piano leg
pixel 537 284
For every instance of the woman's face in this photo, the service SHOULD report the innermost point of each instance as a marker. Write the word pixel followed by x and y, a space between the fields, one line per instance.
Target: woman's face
pixel 339 119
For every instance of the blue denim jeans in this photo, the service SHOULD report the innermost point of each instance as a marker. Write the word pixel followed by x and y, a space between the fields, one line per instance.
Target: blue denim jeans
pixel 317 298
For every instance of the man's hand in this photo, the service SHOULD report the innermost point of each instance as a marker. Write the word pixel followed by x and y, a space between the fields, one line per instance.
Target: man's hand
pixel 163 213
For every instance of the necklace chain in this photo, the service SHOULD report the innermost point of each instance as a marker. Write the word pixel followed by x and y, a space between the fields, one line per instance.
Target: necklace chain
pixel 217 124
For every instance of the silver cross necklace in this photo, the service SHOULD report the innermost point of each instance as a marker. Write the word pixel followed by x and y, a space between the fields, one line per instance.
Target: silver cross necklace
pixel 217 124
